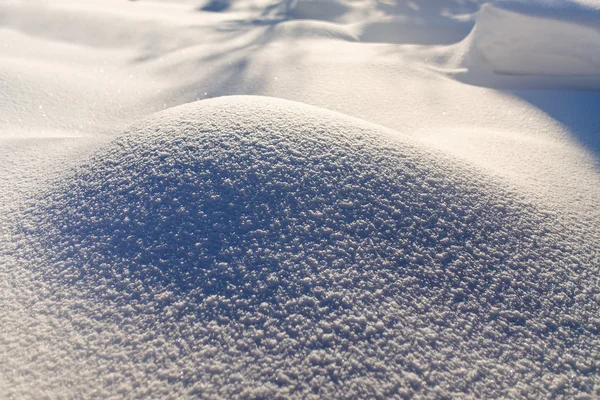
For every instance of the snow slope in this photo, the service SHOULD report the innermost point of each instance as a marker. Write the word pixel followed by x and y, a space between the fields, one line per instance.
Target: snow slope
pixel 553 44
pixel 257 247
pixel 537 43
pixel 406 206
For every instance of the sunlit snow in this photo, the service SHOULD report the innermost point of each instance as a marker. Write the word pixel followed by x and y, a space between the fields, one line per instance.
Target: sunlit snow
pixel 303 199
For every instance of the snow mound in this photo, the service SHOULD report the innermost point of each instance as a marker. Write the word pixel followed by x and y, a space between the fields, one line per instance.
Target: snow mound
pixel 256 247
pixel 555 43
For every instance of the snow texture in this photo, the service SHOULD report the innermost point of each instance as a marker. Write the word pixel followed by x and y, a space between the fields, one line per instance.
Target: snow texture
pixel 249 247
pixel 419 219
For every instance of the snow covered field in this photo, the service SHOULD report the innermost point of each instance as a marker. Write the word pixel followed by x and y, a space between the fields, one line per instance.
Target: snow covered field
pixel 305 199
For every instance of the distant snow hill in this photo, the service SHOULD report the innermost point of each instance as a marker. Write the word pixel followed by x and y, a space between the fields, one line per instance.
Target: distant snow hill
pixel 278 249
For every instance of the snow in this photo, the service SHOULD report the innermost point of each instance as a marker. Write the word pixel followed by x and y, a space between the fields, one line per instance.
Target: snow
pixel 557 43
pixel 352 199
pixel 541 45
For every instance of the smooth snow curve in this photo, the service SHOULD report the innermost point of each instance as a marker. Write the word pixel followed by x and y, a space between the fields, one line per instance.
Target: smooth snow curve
pixel 249 247
pixel 554 45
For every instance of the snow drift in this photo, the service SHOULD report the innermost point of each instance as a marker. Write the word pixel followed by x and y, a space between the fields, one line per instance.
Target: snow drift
pixel 559 43
pixel 257 247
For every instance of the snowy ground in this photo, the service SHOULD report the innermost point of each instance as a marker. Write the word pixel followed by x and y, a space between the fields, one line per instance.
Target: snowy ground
pixel 401 200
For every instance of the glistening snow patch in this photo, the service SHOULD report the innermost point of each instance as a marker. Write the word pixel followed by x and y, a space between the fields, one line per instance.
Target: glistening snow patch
pixel 279 249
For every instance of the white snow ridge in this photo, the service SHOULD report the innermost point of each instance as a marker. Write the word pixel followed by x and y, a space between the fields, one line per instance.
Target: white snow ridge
pixel 249 247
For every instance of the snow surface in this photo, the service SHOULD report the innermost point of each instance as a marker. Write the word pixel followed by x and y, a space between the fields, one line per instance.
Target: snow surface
pixel 400 200
pixel 558 43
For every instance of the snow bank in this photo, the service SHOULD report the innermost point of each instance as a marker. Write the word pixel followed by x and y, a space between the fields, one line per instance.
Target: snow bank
pixel 256 247
pixel 559 41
